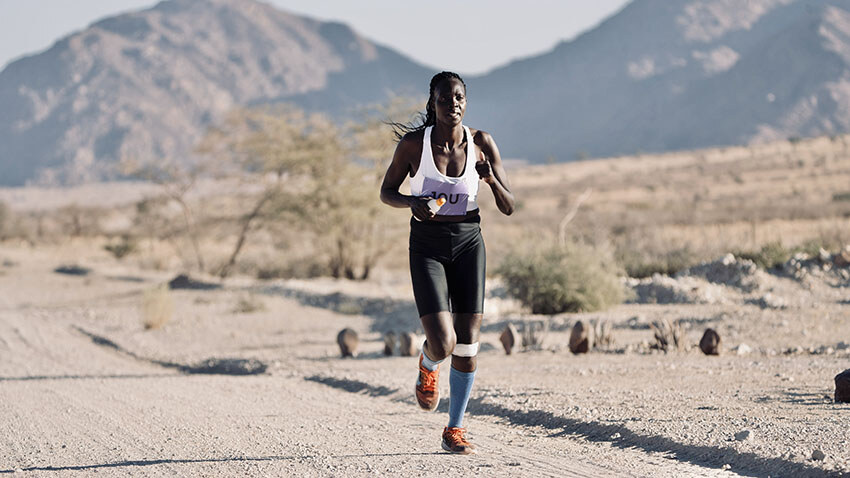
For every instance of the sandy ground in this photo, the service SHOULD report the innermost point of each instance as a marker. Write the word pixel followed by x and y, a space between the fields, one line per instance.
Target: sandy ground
pixel 85 390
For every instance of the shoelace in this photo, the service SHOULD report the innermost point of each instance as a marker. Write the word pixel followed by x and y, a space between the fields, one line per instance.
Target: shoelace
pixel 427 380
pixel 456 436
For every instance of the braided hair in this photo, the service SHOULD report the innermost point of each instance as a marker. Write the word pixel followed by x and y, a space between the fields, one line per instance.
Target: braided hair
pixel 429 118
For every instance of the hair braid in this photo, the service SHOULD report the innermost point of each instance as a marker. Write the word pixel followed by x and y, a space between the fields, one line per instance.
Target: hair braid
pixel 429 118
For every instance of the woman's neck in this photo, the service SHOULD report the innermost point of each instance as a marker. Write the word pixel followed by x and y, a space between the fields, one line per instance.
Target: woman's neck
pixel 447 136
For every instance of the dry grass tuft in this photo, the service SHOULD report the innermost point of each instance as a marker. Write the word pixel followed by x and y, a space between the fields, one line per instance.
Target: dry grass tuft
pixel 248 304
pixel 669 336
pixel 157 307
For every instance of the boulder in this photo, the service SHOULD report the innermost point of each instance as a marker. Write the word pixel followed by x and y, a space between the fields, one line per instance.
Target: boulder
pixel 842 387
pixel 710 342
pixel 389 343
pixel 408 346
pixel 509 338
pixel 348 341
pixel 581 338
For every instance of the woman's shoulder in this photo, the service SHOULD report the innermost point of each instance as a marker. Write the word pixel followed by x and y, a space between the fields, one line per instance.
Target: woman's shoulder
pixel 412 141
pixel 481 137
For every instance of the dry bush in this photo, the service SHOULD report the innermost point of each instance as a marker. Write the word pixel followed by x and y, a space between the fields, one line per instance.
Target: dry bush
pixel 555 279
pixel 121 248
pixel 157 307
pixel 533 334
pixel 5 218
pixel 248 304
pixel 669 336
pixel 602 333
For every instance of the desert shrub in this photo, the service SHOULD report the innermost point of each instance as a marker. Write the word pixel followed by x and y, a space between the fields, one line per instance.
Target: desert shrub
pixel 4 218
pixel 248 304
pixel 298 268
pixel 641 264
pixel 769 256
pixel 837 197
pixel 554 279
pixel 157 307
pixel 121 248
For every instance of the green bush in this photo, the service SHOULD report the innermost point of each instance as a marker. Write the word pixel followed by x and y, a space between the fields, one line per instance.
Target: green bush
pixel 771 255
pixel 551 280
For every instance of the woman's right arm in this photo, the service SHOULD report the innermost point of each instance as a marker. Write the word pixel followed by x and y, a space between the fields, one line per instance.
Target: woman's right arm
pixel 398 170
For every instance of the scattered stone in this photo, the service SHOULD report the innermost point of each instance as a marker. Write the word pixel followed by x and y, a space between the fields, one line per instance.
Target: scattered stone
pixel 183 281
pixel 730 271
pixel 509 338
pixel 226 366
pixel 389 343
pixel 743 349
pixel 348 341
pixel 727 466
pixel 818 455
pixel 581 338
pixel 710 342
pixel 842 345
pixel 661 289
pixel 842 259
pixel 615 436
pixel 743 435
pixel 824 256
pixel 72 270
pixel 408 345
pixel 842 387
pixel 769 301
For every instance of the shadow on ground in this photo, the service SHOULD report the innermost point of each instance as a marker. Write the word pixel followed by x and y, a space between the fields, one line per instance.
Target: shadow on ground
pixel 189 461
pixel 745 464
pixel 386 314
pixel 212 366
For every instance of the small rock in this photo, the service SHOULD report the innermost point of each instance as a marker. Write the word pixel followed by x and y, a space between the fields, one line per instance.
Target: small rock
pixel 842 387
pixel 710 342
pixel 743 349
pixel 818 455
pixel 408 345
pixel 842 259
pixel 509 338
pixel 727 466
pixel 743 435
pixel 615 436
pixel 389 343
pixel 581 338
pixel 348 341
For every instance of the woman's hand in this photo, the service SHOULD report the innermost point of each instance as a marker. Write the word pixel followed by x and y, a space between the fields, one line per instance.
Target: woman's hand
pixel 420 209
pixel 485 170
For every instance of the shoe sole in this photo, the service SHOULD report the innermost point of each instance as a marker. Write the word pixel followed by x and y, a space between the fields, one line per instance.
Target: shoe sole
pixel 469 451
pixel 423 407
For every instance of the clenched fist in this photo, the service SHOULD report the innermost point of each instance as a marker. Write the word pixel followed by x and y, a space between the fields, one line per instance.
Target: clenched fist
pixel 485 171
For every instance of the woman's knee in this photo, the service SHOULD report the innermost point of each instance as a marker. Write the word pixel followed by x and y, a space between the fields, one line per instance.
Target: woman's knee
pixel 441 347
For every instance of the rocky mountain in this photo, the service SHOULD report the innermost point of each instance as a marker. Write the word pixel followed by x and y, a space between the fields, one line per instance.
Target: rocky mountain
pixel 663 75
pixel 147 84
pixel 658 75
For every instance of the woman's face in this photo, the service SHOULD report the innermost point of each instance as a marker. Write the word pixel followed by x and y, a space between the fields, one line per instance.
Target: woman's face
pixel 450 101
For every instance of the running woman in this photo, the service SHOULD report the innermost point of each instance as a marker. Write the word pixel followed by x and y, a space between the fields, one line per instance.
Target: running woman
pixel 446 159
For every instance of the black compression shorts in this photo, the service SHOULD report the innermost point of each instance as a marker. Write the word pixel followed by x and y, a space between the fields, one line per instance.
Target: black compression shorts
pixel 447 265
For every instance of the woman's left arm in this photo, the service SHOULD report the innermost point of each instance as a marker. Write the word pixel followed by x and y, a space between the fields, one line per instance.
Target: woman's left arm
pixel 491 171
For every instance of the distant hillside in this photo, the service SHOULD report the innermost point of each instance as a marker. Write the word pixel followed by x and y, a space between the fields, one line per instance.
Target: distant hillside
pixel 659 75
pixel 147 84
pixel 665 75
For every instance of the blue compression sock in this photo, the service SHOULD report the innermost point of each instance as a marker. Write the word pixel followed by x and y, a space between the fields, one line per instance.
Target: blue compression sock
pixel 461 387
pixel 428 363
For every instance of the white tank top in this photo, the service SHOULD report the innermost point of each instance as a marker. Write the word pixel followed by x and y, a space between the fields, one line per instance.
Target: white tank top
pixel 460 192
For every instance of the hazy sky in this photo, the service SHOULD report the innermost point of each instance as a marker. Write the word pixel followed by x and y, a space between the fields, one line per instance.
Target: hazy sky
pixel 467 36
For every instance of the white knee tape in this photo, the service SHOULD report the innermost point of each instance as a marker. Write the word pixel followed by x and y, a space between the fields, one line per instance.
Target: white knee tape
pixel 466 350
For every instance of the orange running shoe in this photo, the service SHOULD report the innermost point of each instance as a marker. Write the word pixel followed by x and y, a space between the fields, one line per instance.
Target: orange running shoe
pixel 427 391
pixel 455 442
